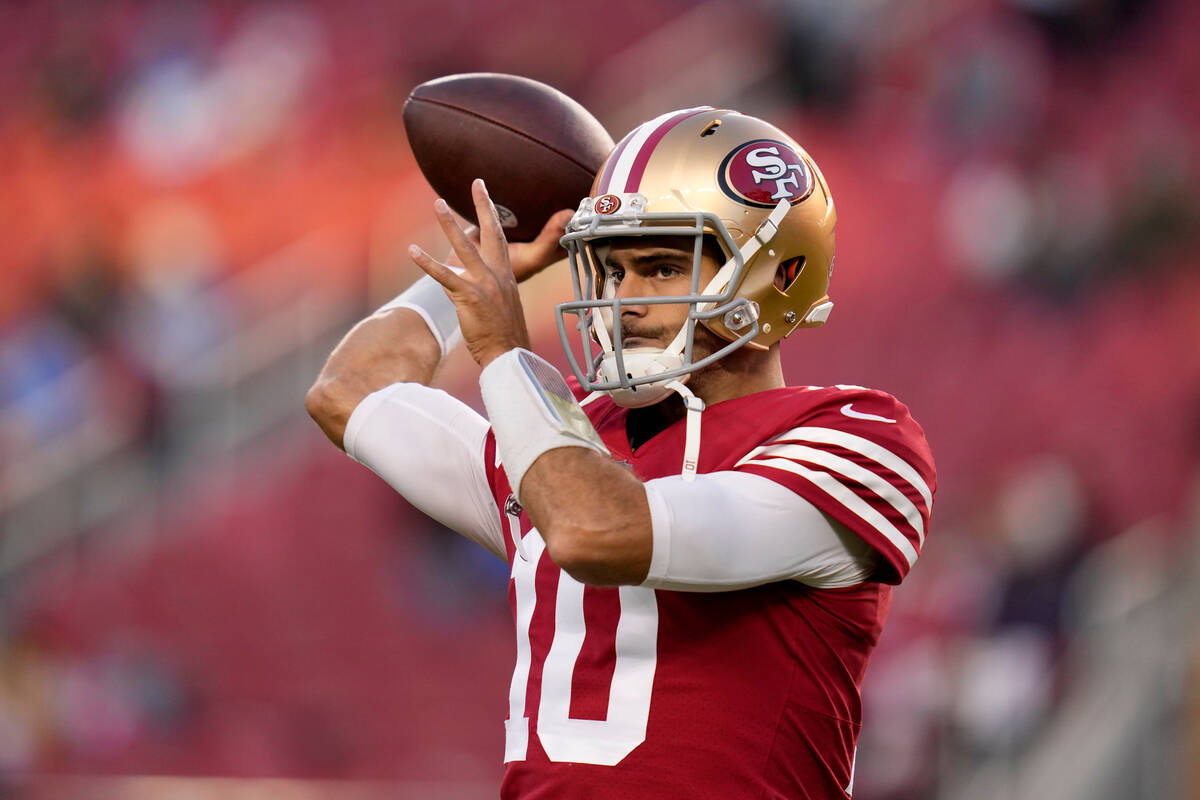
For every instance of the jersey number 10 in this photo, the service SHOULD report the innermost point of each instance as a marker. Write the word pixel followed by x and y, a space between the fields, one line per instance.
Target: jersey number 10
pixel 581 741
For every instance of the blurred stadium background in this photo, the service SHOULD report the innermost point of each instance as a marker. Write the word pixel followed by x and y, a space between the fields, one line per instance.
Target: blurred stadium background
pixel 200 598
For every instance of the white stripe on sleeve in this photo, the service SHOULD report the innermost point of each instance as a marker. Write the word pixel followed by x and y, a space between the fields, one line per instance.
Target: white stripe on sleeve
pixel 857 444
pixel 846 496
pixel 847 468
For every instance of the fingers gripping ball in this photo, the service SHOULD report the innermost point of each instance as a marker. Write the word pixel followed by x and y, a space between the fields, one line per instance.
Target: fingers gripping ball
pixel 537 149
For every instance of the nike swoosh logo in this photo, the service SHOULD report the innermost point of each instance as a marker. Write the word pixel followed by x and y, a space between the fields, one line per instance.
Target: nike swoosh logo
pixel 850 412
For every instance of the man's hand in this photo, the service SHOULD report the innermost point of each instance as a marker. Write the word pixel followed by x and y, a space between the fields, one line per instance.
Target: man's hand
pixel 484 289
pixel 529 258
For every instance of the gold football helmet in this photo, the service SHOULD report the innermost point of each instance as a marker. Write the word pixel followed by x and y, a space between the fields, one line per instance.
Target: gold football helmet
pixel 700 172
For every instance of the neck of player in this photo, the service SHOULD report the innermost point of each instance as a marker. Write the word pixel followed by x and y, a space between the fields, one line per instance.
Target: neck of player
pixel 740 373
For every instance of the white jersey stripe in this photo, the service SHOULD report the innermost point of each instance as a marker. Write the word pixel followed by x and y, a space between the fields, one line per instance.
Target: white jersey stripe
pixel 620 174
pixel 857 444
pixel 855 504
pixel 524 573
pixel 886 491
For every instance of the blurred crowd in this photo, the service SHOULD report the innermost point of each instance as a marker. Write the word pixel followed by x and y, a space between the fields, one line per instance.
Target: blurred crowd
pixel 1005 631
pixel 154 150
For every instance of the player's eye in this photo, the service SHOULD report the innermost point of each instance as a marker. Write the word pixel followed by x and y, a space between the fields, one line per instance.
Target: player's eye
pixel 666 271
pixel 615 274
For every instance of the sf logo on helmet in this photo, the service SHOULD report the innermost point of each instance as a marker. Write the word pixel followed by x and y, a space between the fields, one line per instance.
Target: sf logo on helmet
pixel 763 172
pixel 608 204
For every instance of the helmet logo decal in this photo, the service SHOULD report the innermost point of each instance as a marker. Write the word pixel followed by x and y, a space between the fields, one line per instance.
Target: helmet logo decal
pixel 763 172
pixel 608 204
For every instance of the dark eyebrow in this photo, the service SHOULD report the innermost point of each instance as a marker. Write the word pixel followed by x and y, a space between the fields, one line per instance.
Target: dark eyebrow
pixel 658 254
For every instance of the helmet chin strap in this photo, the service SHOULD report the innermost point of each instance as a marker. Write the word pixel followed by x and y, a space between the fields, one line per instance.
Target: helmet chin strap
pixel 691 438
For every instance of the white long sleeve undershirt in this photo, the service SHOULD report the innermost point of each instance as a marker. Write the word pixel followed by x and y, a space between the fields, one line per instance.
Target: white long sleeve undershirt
pixel 723 531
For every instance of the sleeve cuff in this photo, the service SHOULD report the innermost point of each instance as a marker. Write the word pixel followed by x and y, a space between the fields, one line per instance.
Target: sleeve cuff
pixel 660 521
pixel 358 418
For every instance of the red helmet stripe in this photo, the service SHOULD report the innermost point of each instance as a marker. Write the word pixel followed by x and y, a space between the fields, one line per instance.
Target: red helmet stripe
pixel 643 157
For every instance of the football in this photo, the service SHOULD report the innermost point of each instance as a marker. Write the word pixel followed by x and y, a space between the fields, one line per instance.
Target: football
pixel 535 148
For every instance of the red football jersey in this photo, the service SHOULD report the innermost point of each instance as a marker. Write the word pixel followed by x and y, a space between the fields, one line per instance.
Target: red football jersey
pixel 634 692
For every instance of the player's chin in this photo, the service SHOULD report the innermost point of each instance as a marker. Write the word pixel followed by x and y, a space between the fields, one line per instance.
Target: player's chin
pixel 641 343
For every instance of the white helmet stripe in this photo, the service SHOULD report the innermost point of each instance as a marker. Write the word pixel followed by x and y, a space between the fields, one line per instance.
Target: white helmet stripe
pixel 622 159
pixel 635 150
pixel 606 176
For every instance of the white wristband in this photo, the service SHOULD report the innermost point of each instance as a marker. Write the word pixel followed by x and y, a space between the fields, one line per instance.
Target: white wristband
pixel 429 299
pixel 532 410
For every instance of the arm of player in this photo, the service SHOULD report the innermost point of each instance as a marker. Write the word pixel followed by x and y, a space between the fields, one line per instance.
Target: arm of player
pixel 732 530
pixel 593 514
pixel 393 346
pixel 720 532
pixel 396 345
pixel 439 464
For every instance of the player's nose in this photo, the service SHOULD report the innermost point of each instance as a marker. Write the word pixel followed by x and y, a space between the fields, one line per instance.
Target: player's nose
pixel 631 287
pixel 635 310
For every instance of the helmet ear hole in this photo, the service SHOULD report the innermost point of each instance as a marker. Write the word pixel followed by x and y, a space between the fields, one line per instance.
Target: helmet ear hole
pixel 788 272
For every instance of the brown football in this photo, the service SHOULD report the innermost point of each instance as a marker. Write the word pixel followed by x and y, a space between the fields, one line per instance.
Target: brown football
pixel 535 148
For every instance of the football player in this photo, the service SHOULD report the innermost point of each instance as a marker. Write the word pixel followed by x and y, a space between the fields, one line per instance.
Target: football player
pixel 702 557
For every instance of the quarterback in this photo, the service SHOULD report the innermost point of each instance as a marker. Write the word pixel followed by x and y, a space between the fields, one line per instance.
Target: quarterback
pixel 702 557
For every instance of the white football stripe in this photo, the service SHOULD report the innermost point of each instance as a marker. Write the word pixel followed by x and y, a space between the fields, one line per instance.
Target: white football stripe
pixel 625 163
pixel 886 491
pixel 846 496
pixel 857 444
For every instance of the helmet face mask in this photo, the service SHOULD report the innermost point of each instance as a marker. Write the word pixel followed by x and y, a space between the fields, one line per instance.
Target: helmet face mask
pixel 636 376
pixel 699 173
